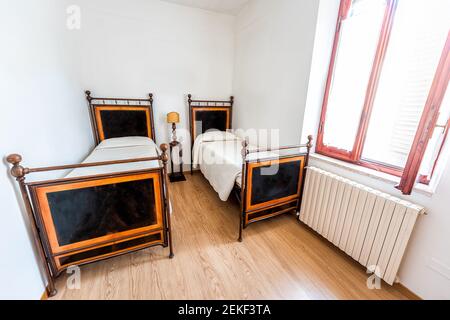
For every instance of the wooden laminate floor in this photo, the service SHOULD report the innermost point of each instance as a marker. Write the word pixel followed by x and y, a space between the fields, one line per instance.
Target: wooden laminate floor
pixel 279 259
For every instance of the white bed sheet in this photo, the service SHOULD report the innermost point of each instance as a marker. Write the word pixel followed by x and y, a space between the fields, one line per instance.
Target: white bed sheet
pixel 221 163
pixel 129 150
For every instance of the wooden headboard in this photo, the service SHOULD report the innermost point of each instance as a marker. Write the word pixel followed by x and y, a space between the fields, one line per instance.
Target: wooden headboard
pixel 118 117
pixel 208 115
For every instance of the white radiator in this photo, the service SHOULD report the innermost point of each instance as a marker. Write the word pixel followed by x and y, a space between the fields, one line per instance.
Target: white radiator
pixel 370 226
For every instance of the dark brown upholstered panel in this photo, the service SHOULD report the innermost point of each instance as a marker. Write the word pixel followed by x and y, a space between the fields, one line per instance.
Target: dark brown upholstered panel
pixel 118 124
pixel 284 183
pixel 211 120
pixel 119 117
pixel 89 213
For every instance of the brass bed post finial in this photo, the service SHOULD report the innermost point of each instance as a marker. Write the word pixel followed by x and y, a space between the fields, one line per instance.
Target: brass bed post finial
pixel 88 95
pixel 245 151
pixel 310 144
pixel 17 171
pixel 165 158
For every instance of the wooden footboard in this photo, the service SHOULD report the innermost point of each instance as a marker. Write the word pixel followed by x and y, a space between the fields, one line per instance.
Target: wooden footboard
pixel 271 185
pixel 81 220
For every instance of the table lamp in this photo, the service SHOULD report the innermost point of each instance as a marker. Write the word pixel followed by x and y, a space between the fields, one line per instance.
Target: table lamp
pixel 174 118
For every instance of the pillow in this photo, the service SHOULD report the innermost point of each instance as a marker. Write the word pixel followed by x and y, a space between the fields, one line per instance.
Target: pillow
pixel 216 135
pixel 125 142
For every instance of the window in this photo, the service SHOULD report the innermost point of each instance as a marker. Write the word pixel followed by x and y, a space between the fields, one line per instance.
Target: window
pixel 387 65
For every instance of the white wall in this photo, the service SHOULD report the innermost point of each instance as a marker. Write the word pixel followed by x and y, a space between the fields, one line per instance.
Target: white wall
pixel 426 266
pixel 323 45
pixel 274 44
pixel 124 48
pixel 134 47
pixel 43 117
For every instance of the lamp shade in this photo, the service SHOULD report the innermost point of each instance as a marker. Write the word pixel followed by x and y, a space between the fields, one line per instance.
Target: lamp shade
pixel 173 117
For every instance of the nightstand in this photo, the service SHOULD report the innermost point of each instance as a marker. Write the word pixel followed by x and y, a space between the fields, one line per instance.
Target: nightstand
pixel 176 176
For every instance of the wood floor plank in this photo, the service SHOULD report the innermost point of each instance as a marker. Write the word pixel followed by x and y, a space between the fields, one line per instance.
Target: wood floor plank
pixel 279 259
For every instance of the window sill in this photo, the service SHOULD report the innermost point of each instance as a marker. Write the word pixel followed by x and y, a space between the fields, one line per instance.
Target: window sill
pixel 381 176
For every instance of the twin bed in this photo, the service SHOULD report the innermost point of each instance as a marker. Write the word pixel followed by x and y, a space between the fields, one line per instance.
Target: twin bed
pixel 267 182
pixel 115 202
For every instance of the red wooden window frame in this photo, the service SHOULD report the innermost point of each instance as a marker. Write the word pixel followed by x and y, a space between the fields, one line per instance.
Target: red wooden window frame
pixel 355 155
pixel 428 122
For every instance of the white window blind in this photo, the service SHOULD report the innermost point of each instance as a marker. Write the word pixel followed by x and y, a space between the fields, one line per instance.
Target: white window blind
pixel 417 40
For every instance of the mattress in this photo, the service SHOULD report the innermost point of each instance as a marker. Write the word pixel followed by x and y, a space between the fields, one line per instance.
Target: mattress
pixel 119 149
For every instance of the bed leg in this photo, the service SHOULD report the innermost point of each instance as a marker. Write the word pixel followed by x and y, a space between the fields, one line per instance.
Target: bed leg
pixel 51 289
pixel 165 158
pixel 169 233
pixel 171 254
pixel 192 161
pixel 241 227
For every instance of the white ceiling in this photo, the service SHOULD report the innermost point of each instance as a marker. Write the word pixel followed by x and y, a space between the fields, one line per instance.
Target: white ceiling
pixel 223 6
